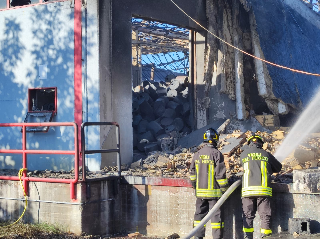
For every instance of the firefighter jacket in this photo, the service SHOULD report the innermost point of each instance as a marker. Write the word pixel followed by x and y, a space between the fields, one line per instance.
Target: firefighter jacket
pixel 208 173
pixel 258 165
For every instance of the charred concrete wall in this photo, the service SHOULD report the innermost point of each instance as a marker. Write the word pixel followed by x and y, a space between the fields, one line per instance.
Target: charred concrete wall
pixel 239 85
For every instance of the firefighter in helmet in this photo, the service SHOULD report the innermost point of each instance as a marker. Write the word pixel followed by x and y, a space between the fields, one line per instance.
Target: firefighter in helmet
pixel 258 166
pixel 208 178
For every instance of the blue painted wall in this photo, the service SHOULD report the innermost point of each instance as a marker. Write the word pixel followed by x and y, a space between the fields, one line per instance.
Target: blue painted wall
pixel 35 36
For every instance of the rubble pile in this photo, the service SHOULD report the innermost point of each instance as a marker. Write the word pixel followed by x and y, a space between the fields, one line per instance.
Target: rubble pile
pixel 175 164
pixel 160 113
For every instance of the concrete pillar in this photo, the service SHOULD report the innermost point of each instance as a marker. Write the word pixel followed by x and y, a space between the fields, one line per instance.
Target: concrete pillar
pixel 238 64
pixel 107 138
pixel 192 76
pixel 220 62
pixel 201 110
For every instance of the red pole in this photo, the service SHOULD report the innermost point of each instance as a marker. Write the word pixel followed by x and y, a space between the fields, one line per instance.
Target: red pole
pixel 76 164
pixel 78 69
pixel 24 159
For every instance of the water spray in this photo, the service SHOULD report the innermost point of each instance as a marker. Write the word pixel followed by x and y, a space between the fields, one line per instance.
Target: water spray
pixel 306 124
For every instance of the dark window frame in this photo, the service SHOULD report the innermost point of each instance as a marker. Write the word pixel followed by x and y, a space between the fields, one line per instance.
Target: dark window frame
pixel 39 97
pixel 35 92
pixel 40 2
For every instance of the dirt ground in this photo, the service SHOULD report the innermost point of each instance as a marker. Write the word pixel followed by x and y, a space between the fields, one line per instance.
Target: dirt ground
pixel 43 231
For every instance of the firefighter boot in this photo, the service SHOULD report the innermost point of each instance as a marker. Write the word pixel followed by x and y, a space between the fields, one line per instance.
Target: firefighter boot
pixel 265 235
pixel 248 235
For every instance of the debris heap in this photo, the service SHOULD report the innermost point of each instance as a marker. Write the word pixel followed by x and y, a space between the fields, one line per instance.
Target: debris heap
pixel 176 163
pixel 160 112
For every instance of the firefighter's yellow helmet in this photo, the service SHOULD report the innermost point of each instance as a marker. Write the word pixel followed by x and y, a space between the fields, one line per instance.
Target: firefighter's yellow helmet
pixel 255 138
pixel 210 136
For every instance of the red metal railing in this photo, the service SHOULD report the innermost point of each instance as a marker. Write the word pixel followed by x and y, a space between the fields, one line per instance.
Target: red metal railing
pixel 24 151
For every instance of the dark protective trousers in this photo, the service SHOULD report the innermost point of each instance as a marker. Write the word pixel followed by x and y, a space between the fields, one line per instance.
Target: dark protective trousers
pixel 250 205
pixel 203 206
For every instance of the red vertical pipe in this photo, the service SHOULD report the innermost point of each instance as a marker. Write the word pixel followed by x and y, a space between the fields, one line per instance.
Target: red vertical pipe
pixel 24 159
pixel 78 69
pixel 76 165
pixel 8 3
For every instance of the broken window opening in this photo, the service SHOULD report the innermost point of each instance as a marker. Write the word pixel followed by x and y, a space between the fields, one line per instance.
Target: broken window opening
pixel 160 96
pixel 159 51
pixel 42 106
pixel 42 99
pixel 313 4
pixel 4 4
pixel 16 3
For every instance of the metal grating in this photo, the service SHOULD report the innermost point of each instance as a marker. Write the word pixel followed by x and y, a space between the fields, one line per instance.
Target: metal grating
pixel 161 46
pixel 313 4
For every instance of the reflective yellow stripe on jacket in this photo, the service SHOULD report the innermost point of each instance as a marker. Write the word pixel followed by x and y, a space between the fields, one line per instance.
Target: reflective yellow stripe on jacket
pixel 222 182
pixel 196 223
pixel 248 229
pixel 264 175
pixel 266 231
pixel 246 175
pixel 209 192
pixel 256 191
pixel 217 225
pixel 193 177
pixel 262 190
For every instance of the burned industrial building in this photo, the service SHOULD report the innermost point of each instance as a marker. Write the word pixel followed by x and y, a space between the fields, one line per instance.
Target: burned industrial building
pixel 105 102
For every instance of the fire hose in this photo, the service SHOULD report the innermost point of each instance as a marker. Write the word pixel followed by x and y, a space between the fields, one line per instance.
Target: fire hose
pixel 25 196
pixel 213 209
